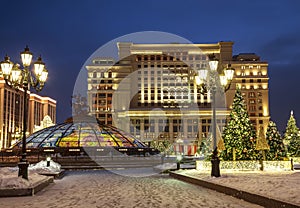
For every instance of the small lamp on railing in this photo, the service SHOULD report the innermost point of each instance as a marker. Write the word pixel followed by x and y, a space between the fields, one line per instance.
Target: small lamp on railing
pixel 178 160
pixel 48 159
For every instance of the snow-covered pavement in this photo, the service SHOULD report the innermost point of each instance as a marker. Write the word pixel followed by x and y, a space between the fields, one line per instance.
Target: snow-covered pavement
pixel 101 188
pixel 281 185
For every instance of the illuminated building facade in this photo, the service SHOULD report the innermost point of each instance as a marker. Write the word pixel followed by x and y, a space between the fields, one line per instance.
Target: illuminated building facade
pixel 152 90
pixel 11 113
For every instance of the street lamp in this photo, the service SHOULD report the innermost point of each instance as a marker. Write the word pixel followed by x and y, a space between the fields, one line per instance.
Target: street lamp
pixel 212 80
pixel 24 80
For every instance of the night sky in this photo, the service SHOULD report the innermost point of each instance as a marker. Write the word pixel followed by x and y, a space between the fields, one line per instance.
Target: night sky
pixel 67 32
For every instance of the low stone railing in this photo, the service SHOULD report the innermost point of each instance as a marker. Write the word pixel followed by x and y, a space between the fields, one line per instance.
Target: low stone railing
pixel 247 165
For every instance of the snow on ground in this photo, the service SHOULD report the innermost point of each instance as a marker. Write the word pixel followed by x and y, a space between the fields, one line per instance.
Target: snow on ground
pixel 282 185
pixel 9 179
pixel 105 189
pixel 41 167
pixel 116 189
pixel 9 175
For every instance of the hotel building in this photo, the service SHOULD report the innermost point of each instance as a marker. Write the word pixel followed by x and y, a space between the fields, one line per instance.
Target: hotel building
pixel 11 113
pixel 152 90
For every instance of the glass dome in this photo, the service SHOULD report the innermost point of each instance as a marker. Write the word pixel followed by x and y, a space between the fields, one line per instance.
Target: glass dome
pixel 85 132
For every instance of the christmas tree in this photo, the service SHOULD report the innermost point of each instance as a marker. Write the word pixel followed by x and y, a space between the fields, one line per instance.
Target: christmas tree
pixel 238 134
pixel 206 147
pixel 277 149
pixel 292 137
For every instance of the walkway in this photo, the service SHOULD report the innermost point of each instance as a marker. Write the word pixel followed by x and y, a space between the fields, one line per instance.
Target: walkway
pixel 101 188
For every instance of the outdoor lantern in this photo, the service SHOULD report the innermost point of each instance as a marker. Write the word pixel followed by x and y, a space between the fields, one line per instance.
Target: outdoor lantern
pixel 198 80
pixel 15 74
pixel 229 72
pixel 26 57
pixel 6 66
pixel 44 75
pixel 213 63
pixel 202 73
pixel 39 67
pixel 223 80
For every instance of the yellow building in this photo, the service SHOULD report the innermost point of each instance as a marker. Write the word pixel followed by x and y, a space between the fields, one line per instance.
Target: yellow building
pixel 11 113
pixel 152 90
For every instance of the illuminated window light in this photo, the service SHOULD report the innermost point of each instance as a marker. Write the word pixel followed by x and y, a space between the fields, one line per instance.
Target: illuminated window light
pixel 265 112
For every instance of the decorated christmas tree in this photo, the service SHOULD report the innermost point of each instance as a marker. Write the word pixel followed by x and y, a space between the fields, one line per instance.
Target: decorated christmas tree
pixel 239 135
pixel 292 137
pixel 206 147
pixel 277 149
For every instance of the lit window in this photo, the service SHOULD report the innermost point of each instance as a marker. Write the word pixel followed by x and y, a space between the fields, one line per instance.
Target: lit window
pixel 252 101
pixel 251 94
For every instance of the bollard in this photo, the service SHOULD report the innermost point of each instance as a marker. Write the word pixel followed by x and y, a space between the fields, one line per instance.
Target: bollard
pixel 48 161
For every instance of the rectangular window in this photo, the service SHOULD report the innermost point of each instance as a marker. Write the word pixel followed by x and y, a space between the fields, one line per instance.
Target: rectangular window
pixel 251 101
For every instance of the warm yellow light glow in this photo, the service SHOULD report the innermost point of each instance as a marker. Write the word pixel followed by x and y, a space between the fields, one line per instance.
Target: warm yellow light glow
pixel 146 52
pixel 223 80
pixel 39 67
pixel 15 74
pixel 202 73
pixel 266 113
pixel 6 66
pixel 26 57
pixel 246 165
pixel 198 80
pixel 213 65
pixel 265 86
pixel 44 76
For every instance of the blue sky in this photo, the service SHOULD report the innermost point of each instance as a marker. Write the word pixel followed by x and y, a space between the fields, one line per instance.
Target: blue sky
pixel 67 32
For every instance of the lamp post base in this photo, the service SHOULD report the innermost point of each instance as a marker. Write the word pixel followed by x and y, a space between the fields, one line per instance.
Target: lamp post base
pixel 23 169
pixel 215 165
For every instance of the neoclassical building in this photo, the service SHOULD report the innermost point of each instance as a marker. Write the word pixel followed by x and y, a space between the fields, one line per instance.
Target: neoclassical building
pixel 11 113
pixel 152 90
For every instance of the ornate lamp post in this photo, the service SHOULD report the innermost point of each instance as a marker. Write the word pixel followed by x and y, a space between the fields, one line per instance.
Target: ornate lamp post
pixel 213 80
pixel 24 80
